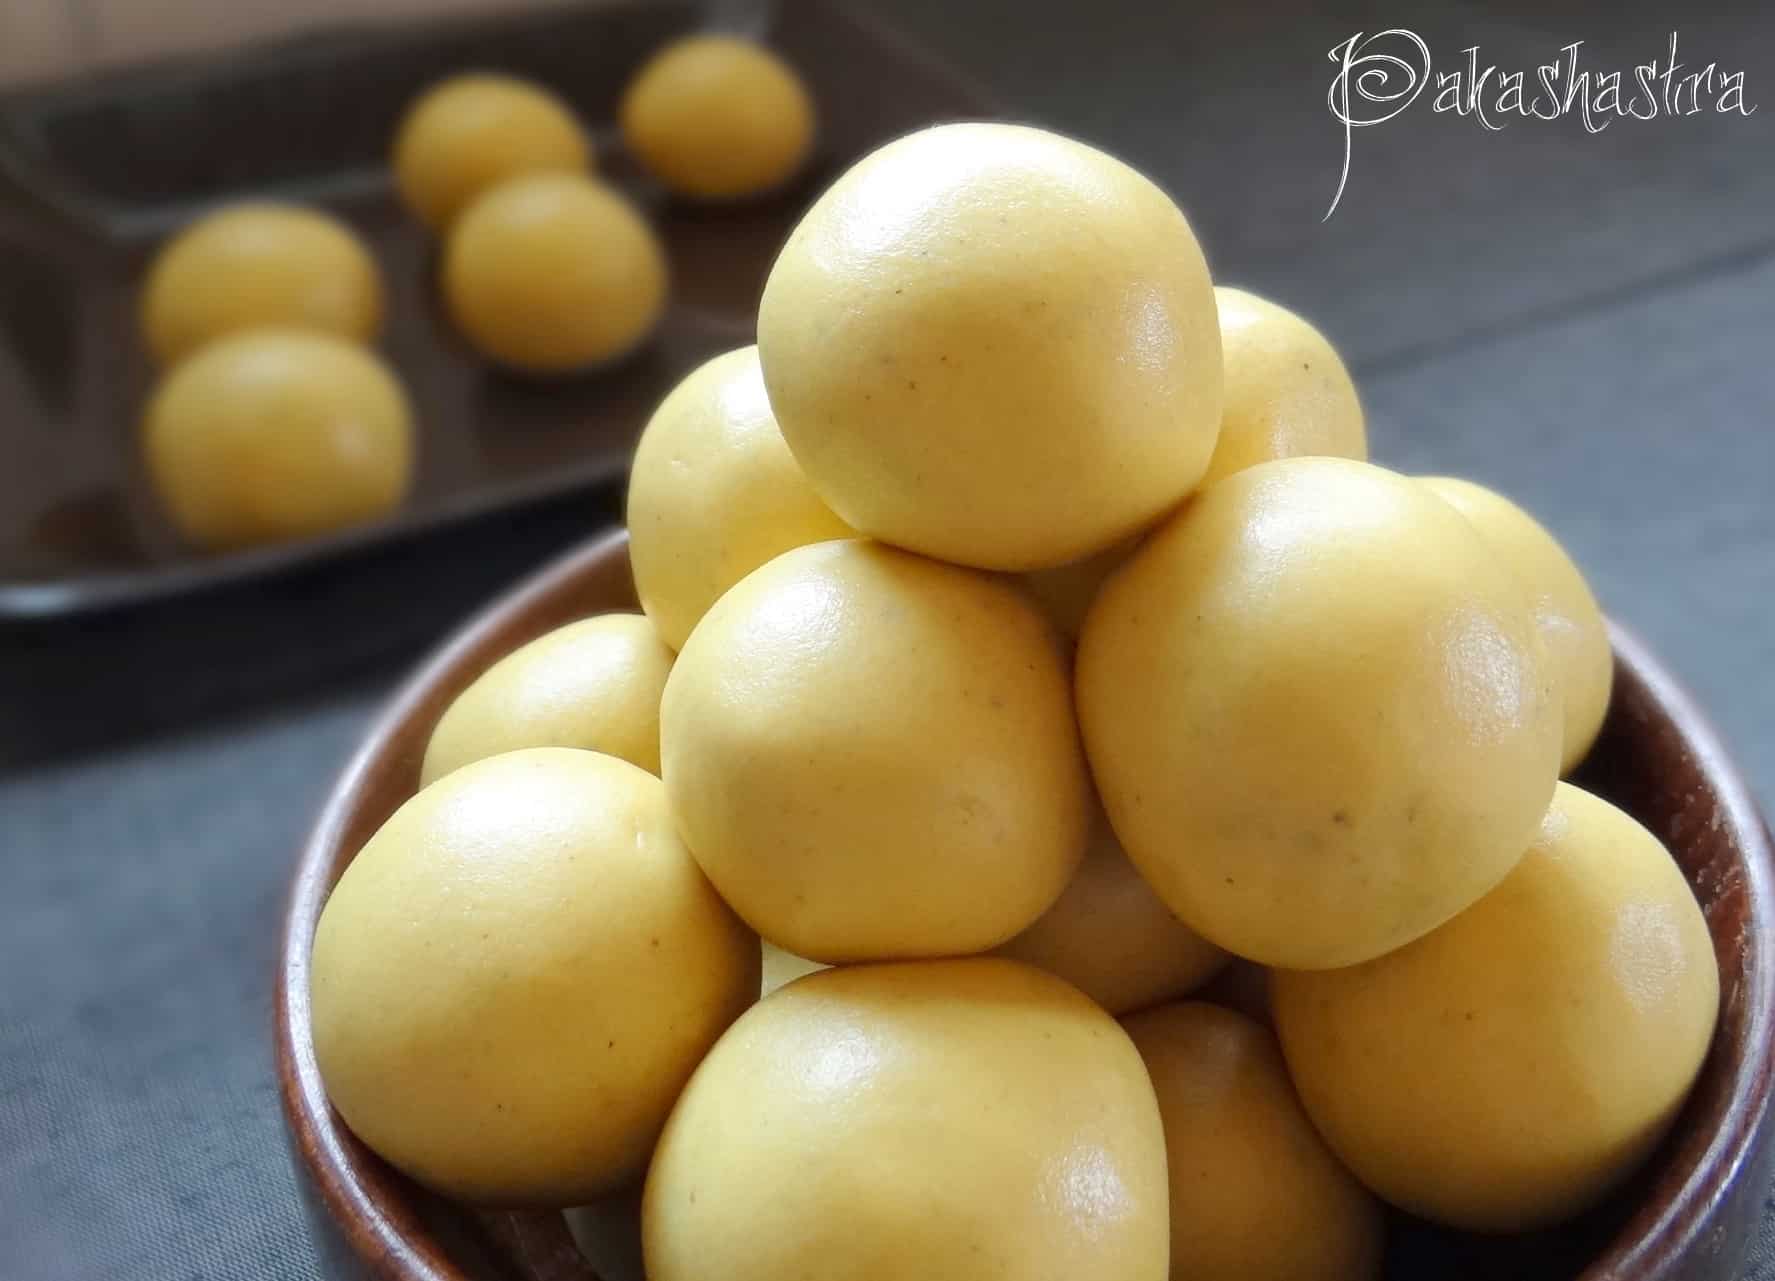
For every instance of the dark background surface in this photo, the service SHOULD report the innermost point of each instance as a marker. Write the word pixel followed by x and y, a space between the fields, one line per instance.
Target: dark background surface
pixel 1585 321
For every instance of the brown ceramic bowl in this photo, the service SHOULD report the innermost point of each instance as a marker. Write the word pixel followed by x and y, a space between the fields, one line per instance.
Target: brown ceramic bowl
pixel 1689 1215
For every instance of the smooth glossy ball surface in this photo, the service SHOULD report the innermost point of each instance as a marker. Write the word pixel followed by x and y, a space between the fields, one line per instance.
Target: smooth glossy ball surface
pixel 1255 1193
pixel 1318 711
pixel 553 274
pixel 718 117
pixel 1287 392
pixel 874 756
pixel 256 266
pixel 948 1120
pixel 1507 1070
pixel 467 135
pixel 517 974
pixel 995 346
pixel 272 435
pixel 715 493
pixel 593 684
pixel 1571 622
pixel 1110 936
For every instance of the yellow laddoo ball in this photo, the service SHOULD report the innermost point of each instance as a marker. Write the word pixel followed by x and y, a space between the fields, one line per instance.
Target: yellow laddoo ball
pixel 1571 622
pixel 594 684
pixel 714 493
pixel 1287 391
pixel 256 266
pixel 1318 712
pixel 994 345
pixel 1110 936
pixel 471 133
pixel 1507 1070
pixel 1255 1193
pixel 873 755
pixel 718 116
pixel 946 1120
pixel 553 274
pixel 277 434
pixel 517 974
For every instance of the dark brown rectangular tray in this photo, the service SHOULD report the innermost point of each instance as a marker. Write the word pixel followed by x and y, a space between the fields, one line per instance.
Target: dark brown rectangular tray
pixel 94 174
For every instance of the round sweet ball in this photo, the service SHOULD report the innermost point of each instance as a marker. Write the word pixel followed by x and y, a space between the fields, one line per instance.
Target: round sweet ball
pixel 517 974
pixel 1255 1193
pixel 1287 391
pixel 717 117
pixel 715 493
pixel 1571 622
pixel 470 133
pixel 994 345
pixel 874 756
pixel 1110 936
pixel 593 684
pixel 842 1128
pixel 553 274
pixel 254 266
pixel 277 434
pixel 1318 711
pixel 1507 1070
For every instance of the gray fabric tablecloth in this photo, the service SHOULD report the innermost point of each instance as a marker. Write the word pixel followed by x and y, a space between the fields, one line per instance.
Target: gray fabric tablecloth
pixel 1586 321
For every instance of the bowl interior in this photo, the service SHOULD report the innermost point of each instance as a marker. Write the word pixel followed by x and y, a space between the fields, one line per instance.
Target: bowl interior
pixel 1687 1214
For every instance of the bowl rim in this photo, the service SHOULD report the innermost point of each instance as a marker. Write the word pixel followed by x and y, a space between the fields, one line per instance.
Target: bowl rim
pixel 376 1210
pixel 372 1204
pixel 1656 1249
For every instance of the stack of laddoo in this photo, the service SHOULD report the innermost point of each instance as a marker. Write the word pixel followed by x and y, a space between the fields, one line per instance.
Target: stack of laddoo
pixel 1024 636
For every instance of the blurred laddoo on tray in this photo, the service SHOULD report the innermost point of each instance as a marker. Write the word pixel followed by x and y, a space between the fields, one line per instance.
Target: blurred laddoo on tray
pixel 544 269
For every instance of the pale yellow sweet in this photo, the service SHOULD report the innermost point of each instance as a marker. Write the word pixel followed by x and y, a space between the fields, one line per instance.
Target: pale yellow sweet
pixel 1255 1193
pixel 259 265
pixel 874 756
pixel 517 974
pixel 994 345
pixel 470 133
pixel 1571 622
pixel 1065 592
pixel 594 684
pixel 714 493
pixel 1287 391
pixel 273 434
pixel 553 274
pixel 945 1120
pixel 1318 711
pixel 1110 936
pixel 1509 1069
pixel 717 117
